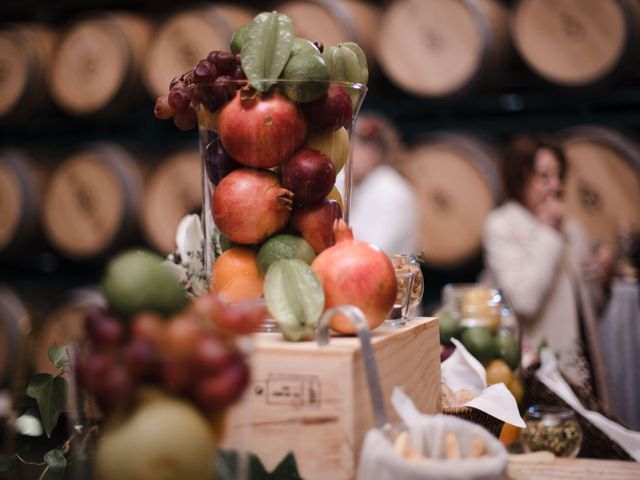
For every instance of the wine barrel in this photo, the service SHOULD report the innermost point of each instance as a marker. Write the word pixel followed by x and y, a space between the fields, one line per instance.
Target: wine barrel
pixel 93 201
pixel 334 21
pixel 22 183
pixel 576 44
pixel 62 324
pixel 187 37
pixel 173 190
pixel 442 48
pixel 25 53
pixel 457 183
pixel 97 64
pixel 603 182
pixel 14 324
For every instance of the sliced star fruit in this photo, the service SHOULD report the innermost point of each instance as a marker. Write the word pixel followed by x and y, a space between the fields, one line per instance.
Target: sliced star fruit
pixel 266 48
pixel 294 296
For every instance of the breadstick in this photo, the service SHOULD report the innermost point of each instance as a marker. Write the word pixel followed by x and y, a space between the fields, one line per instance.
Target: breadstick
pixel 451 448
pixel 477 448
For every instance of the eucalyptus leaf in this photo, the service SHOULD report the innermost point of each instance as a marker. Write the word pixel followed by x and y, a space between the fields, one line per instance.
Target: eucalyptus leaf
pixel 266 48
pixel 294 296
pixel 50 394
pixel 59 356
pixel 56 465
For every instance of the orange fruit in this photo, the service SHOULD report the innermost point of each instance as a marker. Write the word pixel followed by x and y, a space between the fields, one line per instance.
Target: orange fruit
pixel 509 434
pixel 236 275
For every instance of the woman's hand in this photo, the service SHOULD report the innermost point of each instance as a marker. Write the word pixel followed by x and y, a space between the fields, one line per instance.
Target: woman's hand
pixel 551 212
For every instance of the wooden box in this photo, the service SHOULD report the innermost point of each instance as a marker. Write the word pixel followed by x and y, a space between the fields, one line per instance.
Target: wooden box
pixel 315 400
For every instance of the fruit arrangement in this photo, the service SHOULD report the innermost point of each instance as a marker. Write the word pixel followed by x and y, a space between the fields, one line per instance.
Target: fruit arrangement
pixel 156 362
pixel 479 318
pixel 274 116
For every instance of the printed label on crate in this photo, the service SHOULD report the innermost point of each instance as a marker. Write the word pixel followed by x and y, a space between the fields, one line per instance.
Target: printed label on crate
pixel 289 389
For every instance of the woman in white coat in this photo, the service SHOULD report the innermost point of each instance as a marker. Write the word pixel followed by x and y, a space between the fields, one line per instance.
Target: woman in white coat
pixel 535 254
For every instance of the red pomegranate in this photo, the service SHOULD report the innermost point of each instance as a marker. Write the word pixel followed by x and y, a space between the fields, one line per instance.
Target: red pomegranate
pixel 261 131
pixel 249 205
pixel 356 273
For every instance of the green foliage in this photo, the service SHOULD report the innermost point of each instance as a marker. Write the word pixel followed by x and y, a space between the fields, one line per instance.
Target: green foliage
pixel 228 462
pixel 56 465
pixel 59 357
pixel 50 394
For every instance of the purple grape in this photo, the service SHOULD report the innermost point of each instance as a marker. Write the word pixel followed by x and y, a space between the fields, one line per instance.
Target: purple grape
pixel 224 87
pixel 103 330
pixel 141 359
pixel 207 97
pixel 217 162
pixel 238 74
pixel 205 72
pixel 185 120
pixel 115 389
pixel 225 62
pixel 179 97
pixel 162 109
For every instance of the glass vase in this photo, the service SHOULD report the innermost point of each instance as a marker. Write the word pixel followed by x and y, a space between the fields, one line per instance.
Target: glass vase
pixel 276 163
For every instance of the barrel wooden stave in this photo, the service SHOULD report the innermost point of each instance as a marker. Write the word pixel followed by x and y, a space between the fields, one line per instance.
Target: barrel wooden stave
pixel 335 21
pixel 25 54
pixel 93 201
pixel 457 184
pixel 576 44
pixel 97 64
pixel 62 324
pixel 187 37
pixel 22 183
pixel 14 320
pixel 603 183
pixel 442 48
pixel 173 190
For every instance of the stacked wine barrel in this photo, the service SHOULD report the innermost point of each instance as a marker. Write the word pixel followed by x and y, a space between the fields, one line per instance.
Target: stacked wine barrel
pixel 98 199
pixel 22 183
pixel 456 180
pixel 442 48
pixel 25 52
pixel 603 183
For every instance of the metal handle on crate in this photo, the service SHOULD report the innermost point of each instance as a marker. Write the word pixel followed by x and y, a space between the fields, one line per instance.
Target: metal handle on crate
pixel 357 317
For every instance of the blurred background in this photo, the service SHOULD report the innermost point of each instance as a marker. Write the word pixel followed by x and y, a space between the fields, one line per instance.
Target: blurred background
pixel 86 170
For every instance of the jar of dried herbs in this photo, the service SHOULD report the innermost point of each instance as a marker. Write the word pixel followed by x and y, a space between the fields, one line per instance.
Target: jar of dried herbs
pixel 552 428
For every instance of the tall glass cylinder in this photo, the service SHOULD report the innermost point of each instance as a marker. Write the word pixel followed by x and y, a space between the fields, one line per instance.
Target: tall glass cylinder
pixel 276 163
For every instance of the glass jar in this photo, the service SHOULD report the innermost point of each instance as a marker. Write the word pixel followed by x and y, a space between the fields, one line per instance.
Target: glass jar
pixel 409 263
pixel 260 152
pixel 552 428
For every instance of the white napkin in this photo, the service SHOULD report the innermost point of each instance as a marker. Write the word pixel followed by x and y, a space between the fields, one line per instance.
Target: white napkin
pixel 550 376
pixel 463 371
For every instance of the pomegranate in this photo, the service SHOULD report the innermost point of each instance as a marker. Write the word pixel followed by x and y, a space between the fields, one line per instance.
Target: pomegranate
pixel 356 273
pixel 314 222
pixel 261 131
pixel 250 205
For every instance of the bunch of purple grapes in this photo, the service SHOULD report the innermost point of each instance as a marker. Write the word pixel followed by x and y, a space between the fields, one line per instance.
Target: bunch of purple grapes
pixel 179 355
pixel 212 83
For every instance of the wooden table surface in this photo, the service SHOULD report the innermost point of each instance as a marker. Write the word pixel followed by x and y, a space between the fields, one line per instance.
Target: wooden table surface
pixel 575 469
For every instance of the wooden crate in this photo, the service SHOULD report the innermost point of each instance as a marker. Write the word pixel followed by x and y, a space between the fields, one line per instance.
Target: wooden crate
pixel 315 400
